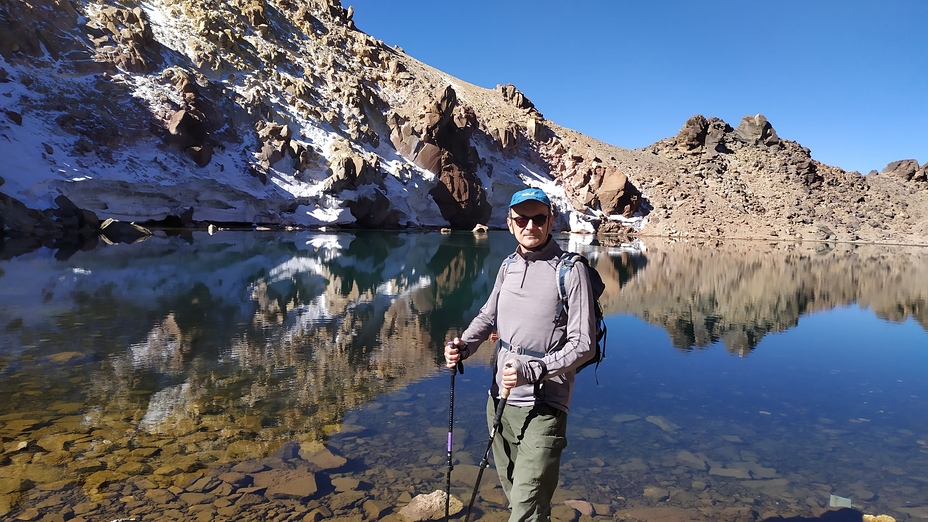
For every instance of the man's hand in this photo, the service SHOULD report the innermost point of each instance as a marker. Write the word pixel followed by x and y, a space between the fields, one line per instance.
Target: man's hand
pixel 519 373
pixel 510 376
pixel 453 352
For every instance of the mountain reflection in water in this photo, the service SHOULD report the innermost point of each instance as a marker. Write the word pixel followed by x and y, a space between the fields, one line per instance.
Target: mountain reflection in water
pixel 147 367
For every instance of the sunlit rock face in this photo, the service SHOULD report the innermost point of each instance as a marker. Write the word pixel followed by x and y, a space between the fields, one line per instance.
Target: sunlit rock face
pixel 285 113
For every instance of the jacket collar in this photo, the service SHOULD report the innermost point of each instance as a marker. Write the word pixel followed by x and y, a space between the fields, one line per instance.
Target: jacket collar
pixel 550 250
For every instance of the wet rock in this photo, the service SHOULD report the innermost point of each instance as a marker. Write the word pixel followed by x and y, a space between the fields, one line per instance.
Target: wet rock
pixel 691 461
pixel 656 494
pixel 322 460
pixel 160 496
pixel 86 465
pixel 134 468
pixel 345 484
pixel 13 427
pixel 14 485
pixel 624 417
pixel 373 510
pixel 192 499
pixel 564 513
pixel 664 513
pixel 250 499
pixel 286 484
pixel 860 491
pixel 430 507
pixel 346 500
pixel 317 514
pixel 248 467
pixel 584 507
pixel 662 423
pixel 238 480
pixel 721 471
pixel 204 485
pixel 772 487
pixel 99 479
pixel 58 441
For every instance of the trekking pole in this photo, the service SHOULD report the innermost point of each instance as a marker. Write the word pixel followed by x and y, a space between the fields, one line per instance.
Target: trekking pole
pixel 497 421
pixel 458 368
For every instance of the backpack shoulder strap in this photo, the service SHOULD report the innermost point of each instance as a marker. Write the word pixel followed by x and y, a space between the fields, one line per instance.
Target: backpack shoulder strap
pixel 510 258
pixel 564 264
pixel 508 261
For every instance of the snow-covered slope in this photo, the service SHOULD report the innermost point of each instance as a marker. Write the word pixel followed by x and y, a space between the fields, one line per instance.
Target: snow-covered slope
pixel 283 113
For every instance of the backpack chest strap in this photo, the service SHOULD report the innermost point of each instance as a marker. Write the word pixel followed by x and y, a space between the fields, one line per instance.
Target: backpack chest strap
pixel 503 345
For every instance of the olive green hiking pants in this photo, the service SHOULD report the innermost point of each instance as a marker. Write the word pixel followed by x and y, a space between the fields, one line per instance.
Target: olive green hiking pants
pixel 527 454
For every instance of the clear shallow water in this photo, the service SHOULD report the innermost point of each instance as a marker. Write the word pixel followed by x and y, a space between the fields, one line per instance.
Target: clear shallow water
pixel 742 381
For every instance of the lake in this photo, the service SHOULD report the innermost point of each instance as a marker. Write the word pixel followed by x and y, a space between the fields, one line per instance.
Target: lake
pixel 298 376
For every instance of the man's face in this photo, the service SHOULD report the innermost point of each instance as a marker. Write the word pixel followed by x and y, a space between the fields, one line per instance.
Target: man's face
pixel 529 233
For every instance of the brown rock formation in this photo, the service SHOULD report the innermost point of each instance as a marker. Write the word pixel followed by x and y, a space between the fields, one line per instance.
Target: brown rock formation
pixel 238 68
pixel 440 142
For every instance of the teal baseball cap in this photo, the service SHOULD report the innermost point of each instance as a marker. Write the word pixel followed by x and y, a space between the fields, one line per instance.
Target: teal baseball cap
pixel 530 194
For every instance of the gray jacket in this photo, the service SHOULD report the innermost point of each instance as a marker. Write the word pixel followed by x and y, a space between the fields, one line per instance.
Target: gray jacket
pixel 521 310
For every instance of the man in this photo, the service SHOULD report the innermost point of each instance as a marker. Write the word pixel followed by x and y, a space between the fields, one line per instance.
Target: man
pixel 537 355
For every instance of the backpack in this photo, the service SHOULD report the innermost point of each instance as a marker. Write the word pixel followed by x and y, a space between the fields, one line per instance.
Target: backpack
pixel 564 265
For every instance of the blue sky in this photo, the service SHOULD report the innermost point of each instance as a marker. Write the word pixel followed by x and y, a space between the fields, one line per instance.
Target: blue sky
pixel 847 79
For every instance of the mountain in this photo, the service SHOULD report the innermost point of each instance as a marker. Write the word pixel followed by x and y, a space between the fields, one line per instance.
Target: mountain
pixel 283 113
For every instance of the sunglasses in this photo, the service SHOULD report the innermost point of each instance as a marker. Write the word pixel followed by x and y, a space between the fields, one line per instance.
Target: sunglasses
pixel 522 221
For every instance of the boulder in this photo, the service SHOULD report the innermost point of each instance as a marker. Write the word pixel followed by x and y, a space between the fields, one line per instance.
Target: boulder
pixel 715 137
pixel 14 116
pixel 430 507
pixel 756 130
pixel 617 195
pixel 374 211
pixel 113 231
pixel 905 170
pixel 186 130
pixel 18 220
pixel 200 154
pixel 693 134
pixel 514 96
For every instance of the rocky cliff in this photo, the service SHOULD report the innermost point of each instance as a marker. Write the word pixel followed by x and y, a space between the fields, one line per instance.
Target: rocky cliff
pixel 283 113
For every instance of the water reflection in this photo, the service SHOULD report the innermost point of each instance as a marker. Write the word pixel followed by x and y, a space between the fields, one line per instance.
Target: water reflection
pixel 173 360
pixel 738 292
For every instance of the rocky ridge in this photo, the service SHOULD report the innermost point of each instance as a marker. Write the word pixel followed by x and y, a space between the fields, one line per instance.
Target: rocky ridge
pixel 283 113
